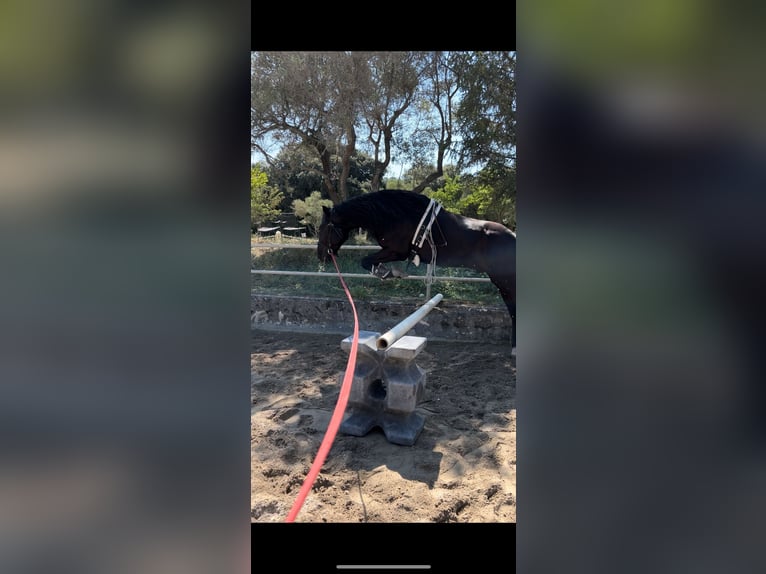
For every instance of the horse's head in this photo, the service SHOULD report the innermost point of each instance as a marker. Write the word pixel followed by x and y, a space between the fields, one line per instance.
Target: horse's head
pixel 331 234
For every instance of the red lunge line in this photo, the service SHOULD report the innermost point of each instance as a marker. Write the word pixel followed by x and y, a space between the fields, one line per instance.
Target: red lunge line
pixel 337 417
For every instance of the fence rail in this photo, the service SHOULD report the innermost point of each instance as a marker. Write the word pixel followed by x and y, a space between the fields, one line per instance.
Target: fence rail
pixel 366 275
pixel 352 275
pixel 303 246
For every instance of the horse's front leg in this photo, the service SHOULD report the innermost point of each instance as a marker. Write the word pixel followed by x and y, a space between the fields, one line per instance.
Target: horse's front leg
pixel 375 263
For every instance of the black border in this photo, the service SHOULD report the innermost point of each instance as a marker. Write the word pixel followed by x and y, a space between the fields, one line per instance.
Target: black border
pixel 315 547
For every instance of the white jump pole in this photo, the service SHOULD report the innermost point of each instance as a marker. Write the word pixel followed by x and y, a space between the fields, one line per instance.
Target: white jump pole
pixel 398 331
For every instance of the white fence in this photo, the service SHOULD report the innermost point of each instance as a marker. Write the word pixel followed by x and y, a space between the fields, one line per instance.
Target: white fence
pixel 423 278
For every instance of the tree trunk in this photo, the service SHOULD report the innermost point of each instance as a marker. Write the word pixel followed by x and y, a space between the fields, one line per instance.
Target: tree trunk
pixel 329 186
pixel 348 151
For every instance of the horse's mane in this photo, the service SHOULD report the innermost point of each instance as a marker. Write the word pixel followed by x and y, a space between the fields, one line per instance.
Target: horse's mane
pixel 379 210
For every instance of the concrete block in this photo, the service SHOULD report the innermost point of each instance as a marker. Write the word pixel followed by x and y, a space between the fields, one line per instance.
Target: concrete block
pixel 387 386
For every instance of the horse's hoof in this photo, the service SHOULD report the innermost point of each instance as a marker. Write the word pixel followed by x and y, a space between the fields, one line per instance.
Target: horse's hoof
pixel 381 271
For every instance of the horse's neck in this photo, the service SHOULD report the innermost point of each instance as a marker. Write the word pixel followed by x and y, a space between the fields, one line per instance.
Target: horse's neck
pixel 359 218
pixel 368 220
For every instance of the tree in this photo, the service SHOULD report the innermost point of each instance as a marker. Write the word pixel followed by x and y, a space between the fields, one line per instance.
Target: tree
pixel 501 180
pixel 450 194
pixel 420 172
pixel 394 82
pixel 321 100
pixel 264 199
pixel 309 99
pixel 428 110
pixel 485 120
pixel 440 91
pixel 487 195
pixel 297 173
pixel 309 211
pixel 486 116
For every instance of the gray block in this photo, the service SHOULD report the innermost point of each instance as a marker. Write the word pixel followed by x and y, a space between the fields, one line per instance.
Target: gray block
pixel 386 389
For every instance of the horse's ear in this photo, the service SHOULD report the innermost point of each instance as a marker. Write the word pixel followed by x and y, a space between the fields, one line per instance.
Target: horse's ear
pixel 327 210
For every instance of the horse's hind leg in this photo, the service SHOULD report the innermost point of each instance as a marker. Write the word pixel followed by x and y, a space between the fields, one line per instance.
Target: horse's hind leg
pixel 507 292
pixel 511 304
pixel 513 328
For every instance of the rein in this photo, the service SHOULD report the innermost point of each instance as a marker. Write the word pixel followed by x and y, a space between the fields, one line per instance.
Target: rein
pixel 337 416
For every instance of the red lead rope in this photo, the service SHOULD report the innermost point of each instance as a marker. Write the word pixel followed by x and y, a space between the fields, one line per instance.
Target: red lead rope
pixel 337 417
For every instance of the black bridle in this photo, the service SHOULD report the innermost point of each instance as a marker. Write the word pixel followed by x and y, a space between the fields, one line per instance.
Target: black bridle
pixel 331 228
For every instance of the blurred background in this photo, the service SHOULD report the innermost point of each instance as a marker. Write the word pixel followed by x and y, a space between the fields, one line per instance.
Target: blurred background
pixel 124 380
pixel 124 335
pixel 642 412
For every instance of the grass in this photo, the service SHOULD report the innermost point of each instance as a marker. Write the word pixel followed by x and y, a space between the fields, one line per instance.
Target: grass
pixel 363 289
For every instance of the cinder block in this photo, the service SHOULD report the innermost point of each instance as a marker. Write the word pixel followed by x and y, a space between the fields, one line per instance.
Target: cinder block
pixel 387 387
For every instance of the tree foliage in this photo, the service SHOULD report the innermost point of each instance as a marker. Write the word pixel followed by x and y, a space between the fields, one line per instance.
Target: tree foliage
pixel 309 211
pixel 486 116
pixel 265 200
pixel 483 196
pixel 323 101
pixel 450 194
pixel 297 173
pixel 502 180
pixel 434 134
pixel 395 77
pixel 337 121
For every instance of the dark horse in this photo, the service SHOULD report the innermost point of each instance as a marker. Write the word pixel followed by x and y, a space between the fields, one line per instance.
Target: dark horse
pixel 392 217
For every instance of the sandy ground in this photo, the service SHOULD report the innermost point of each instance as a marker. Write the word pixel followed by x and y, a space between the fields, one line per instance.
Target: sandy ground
pixel 462 468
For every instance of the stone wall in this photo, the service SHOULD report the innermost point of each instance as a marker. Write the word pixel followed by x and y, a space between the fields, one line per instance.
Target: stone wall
pixel 447 321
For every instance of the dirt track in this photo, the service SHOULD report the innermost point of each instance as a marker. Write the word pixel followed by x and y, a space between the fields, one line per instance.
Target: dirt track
pixel 462 468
